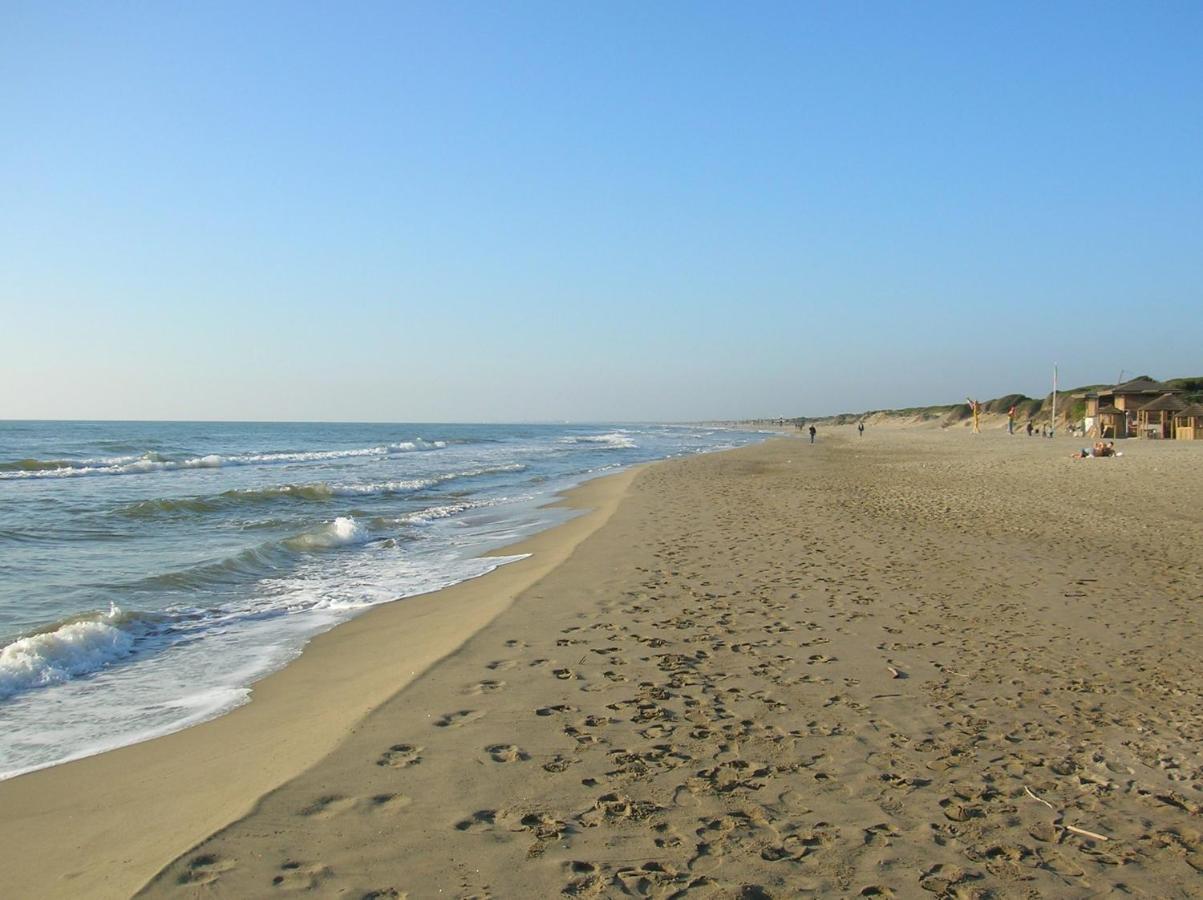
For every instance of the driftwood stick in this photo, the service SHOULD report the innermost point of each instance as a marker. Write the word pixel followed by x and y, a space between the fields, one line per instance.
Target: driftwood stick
pixel 1074 828
pixel 1085 833
pixel 1027 790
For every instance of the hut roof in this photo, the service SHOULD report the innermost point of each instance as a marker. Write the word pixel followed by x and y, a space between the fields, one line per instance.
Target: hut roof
pixel 1195 409
pixel 1166 402
pixel 1141 386
pixel 1111 411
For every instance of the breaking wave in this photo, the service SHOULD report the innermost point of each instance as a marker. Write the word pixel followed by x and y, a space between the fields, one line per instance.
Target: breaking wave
pixel 71 649
pixel 156 462
pixel 617 440
pixel 343 531
pixel 316 492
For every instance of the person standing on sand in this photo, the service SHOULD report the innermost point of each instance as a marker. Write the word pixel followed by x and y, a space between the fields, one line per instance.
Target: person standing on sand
pixel 812 434
pixel 1011 420
pixel 860 426
pixel 1029 428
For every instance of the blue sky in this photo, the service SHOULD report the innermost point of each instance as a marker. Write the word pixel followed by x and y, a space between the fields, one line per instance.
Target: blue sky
pixel 449 211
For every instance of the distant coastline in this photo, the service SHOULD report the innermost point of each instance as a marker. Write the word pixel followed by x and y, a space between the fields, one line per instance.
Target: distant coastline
pixel 1070 409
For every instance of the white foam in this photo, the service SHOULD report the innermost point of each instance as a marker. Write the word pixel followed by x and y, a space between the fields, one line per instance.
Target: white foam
pixel 153 462
pixel 617 440
pixel 414 484
pixel 342 532
pixel 385 487
pixel 71 650
pixel 426 516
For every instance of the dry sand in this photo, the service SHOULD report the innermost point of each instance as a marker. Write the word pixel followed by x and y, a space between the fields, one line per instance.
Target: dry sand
pixel 909 664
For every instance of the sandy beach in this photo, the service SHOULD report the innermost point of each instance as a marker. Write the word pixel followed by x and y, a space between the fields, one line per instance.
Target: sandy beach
pixel 915 663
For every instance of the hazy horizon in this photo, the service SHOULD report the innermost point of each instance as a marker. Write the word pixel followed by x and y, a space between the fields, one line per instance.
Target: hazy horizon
pixel 532 213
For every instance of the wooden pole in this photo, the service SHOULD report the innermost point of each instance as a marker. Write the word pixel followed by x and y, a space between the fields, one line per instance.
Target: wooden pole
pixel 1053 427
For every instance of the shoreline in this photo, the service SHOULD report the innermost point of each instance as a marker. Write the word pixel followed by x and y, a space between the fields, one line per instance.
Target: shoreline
pixel 227 764
pixel 840 669
pixel 791 670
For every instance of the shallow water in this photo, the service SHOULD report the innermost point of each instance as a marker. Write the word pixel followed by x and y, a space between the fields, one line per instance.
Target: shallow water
pixel 149 572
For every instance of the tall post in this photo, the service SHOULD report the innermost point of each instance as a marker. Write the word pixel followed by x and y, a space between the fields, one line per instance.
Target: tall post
pixel 1053 428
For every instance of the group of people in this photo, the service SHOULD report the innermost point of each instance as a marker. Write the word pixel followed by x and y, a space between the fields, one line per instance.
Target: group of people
pixel 1100 448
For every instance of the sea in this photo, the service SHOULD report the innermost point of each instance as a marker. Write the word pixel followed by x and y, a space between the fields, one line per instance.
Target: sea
pixel 150 572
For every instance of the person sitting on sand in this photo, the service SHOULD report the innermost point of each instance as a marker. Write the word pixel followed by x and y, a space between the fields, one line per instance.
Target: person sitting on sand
pixel 1100 449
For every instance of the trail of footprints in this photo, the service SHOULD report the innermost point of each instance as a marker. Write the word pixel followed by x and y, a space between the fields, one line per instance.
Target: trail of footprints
pixel 737 703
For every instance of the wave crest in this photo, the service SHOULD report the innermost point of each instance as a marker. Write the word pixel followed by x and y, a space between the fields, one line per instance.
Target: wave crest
pixel 340 533
pixel 316 491
pixel 155 462
pixel 72 649
pixel 614 440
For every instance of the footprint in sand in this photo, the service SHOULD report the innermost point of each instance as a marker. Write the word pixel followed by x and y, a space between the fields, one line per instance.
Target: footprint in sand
pixel 559 763
pixel 506 753
pixel 205 869
pixel 958 812
pixel 325 807
pixel 481 820
pixel 400 756
pixel 299 876
pixel 457 718
pixel 876 890
pixel 942 879
pixel 585 881
pixel 542 825
pixel 614 807
pixel 552 710
pixel 882 834
pixel 500 665
pixel 488 686
pixel 657 731
pixel 335 804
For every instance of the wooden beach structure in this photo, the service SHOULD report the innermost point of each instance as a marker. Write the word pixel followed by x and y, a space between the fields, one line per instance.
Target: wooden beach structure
pixel 1114 412
pixel 1110 423
pixel 1156 418
pixel 1188 423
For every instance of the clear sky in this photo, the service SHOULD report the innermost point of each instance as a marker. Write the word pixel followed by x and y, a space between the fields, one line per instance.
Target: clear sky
pixel 515 211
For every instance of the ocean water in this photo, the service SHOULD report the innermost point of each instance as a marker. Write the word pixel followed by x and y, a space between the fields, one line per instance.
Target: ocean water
pixel 149 572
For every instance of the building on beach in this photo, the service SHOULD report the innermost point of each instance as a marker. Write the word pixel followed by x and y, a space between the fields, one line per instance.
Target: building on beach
pixel 1114 412
pixel 1156 418
pixel 1188 423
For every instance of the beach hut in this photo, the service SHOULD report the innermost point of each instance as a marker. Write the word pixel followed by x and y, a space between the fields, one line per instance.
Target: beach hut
pixel 1156 418
pixel 1188 423
pixel 1131 395
pixel 1111 422
pixel 1112 412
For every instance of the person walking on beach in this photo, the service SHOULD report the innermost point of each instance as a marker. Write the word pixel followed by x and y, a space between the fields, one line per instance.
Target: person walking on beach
pixel 860 426
pixel 812 434
pixel 1011 420
pixel 1029 428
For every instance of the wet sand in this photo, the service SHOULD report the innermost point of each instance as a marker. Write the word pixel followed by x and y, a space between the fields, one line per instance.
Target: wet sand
pixel 103 826
pixel 911 664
